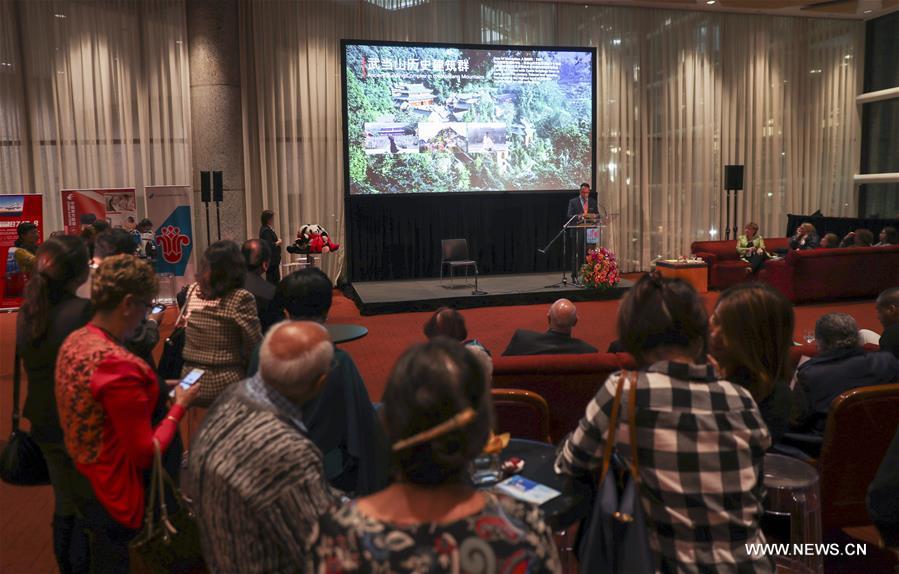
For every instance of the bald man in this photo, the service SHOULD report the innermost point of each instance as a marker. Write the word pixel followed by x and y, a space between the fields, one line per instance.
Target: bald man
pixel 257 480
pixel 557 340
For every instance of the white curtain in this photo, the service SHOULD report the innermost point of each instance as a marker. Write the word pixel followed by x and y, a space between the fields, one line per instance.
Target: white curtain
pixel 679 95
pixel 96 95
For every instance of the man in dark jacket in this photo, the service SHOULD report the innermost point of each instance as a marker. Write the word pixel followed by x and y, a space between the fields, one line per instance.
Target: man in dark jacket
pixel 888 315
pixel 840 365
pixel 557 340
pixel 341 420
pixel 257 255
pixel 581 205
pixel 267 234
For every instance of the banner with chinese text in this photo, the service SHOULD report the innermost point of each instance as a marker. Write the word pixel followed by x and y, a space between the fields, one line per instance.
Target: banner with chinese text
pixel 16 209
pixel 114 205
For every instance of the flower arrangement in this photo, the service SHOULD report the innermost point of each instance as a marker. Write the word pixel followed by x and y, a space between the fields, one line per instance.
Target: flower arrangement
pixel 600 271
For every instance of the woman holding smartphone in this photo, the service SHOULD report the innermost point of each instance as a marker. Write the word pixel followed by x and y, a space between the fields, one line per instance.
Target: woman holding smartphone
pixel 106 396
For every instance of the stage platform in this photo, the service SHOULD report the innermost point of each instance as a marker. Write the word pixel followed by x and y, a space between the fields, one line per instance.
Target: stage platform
pixel 378 297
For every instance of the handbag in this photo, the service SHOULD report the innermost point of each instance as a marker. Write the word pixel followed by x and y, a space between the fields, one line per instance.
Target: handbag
pixel 617 537
pixel 172 361
pixel 21 462
pixel 168 542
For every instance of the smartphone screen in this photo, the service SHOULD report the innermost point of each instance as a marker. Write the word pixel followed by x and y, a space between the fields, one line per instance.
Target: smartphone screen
pixel 191 378
pixel 157 309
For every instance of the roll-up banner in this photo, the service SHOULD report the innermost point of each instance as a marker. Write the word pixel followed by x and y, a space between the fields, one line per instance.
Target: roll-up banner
pixel 16 209
pixel 114 205
pixel 169 208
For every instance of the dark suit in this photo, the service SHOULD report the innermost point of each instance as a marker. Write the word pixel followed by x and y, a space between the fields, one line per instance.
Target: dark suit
pixel 889 340
pixel 273 275
pixel 577 241
pixel 823 378
pixel 343 424
pixel 575 207
pixel 264 293
pixel 526 342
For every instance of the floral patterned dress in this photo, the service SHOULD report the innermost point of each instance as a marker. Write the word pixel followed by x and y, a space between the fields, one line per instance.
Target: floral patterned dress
pixel 506 536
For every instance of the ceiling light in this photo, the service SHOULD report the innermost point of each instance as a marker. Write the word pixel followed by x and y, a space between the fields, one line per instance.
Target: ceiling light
pixel 710 2
pixel 60 15
pixel 868 11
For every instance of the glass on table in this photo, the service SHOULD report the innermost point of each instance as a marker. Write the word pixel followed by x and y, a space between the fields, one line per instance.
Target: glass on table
pixel 809 336
pixel 486 469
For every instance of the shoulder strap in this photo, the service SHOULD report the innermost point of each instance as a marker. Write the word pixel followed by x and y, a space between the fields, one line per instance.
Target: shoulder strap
pixel 186 302
pixel 632 425
pixel 16 383
pixel 613 425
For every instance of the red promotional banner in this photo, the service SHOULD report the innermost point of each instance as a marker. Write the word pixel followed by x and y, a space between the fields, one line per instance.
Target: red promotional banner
pixel 116 205
pixel 16 209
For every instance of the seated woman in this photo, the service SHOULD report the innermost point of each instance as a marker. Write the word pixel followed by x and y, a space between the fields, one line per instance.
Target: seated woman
pixel 806 237
pixel 447 322
pixel 106 396
pixel 830 241
pixel 858 238
pixel 751 247
pixel 437 411
pixel 702 439
pixel 887 236
pixel 751 332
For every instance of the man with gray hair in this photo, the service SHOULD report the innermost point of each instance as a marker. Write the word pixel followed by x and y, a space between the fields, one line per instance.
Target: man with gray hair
pixel 557 340
pixel 257 480
pixel 840 365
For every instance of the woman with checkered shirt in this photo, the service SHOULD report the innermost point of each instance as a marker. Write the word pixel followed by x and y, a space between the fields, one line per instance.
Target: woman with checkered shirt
pixel 701 440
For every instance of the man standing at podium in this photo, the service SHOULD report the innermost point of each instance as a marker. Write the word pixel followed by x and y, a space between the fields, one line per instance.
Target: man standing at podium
pixel 581 205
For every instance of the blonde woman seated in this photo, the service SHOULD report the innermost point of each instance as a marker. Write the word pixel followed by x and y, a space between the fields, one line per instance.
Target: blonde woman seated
pixel 437 413
pixel 751 247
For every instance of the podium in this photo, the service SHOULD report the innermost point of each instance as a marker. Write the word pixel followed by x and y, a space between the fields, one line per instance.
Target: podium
pixel 587 231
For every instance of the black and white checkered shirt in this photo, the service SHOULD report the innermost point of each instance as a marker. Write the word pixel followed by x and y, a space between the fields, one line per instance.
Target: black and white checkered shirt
pixel 701 445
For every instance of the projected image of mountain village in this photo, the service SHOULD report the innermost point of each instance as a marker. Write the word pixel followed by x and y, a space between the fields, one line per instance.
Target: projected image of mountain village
pixel 425 120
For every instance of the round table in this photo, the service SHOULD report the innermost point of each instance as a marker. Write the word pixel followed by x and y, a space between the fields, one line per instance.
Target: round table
pixel 576 499
pixel 343 332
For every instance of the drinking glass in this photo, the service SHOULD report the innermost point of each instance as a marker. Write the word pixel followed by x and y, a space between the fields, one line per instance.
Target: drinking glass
pixel 486 469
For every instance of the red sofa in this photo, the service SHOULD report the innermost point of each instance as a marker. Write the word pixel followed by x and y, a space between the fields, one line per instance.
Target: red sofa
pixel 828 274
pixel 567 382
pixel 725 267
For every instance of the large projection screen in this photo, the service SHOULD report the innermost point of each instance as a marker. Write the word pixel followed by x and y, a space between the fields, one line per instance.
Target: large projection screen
pixel 440 118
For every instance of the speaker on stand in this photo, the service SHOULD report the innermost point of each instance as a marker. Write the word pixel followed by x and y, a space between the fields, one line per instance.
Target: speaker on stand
pixel 733 182
pixel 218 197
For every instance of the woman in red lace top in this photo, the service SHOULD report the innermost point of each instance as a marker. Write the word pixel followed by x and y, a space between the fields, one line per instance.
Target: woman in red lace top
pixel 105 396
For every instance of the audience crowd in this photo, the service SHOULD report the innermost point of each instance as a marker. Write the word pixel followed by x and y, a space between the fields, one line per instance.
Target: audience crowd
pixel 295 469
